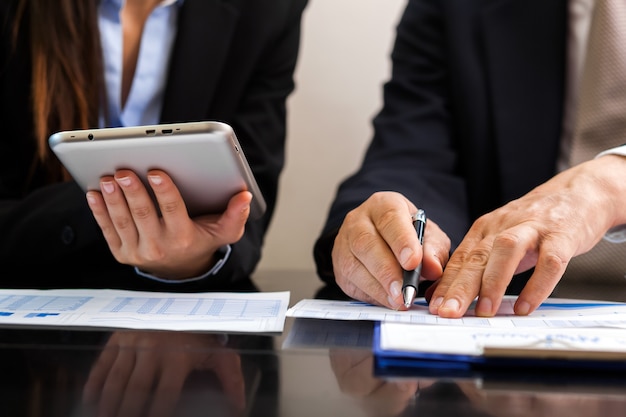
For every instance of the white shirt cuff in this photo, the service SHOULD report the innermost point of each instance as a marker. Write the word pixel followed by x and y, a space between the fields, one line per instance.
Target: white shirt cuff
pixel 224 251
pixel 618 150
pixel 615 234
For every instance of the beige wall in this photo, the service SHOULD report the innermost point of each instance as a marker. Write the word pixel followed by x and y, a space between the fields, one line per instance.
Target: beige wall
pixel 343 63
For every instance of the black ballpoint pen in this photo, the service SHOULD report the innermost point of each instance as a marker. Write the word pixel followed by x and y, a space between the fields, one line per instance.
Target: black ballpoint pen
pixel 410 279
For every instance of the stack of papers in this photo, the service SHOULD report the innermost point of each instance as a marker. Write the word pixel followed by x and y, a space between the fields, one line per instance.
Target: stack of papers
pixel 563 332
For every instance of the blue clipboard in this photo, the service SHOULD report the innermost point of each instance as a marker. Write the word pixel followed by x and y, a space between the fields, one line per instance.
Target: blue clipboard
pixel 427 363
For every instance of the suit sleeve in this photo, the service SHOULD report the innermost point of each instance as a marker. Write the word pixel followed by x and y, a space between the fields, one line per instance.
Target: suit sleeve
pixel 413 150
pixel 260 124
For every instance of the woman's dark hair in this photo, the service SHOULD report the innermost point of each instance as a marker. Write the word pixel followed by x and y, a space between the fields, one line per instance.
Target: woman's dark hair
pixel 67 77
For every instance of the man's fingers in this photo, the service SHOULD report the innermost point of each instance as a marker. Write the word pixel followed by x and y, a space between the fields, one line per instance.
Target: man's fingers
pixel 363 259
pixel 508 250
pixel 551 264
pixel 357 282
pixel 461 279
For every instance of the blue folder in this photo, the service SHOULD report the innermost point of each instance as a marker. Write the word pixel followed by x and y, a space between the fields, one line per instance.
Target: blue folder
pixel 427 363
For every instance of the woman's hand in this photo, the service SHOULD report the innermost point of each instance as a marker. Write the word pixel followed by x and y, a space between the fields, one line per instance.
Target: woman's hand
pixel 170 246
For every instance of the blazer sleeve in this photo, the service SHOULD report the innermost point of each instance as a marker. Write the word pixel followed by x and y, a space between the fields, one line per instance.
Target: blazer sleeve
pixel 413 150
pixel 259 121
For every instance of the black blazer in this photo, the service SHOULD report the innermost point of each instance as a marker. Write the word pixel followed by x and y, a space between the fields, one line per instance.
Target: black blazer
pixel 233 61
pixel 472 114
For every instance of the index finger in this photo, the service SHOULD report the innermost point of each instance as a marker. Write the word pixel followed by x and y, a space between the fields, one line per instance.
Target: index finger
pixel 461 280
pixel 509 249
pixel 484 268
pixel 392 216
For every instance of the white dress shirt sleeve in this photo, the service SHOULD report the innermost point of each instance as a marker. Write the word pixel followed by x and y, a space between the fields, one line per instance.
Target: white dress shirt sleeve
pixel 615 234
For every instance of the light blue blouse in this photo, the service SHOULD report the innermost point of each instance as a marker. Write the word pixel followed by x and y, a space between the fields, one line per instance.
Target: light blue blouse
pixel 145 99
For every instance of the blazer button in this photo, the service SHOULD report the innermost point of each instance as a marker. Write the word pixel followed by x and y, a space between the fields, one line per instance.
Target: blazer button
pixel 67 235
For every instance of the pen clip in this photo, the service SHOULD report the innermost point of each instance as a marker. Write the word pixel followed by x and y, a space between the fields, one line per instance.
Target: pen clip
pixel 419 216
pixel 419 223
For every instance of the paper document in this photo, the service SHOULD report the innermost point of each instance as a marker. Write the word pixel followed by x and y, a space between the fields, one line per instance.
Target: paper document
pixel 595 343
pixel 553 313
pixel 224 312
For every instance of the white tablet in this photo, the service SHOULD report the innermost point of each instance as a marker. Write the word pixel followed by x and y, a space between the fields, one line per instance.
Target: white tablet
pixel 204 160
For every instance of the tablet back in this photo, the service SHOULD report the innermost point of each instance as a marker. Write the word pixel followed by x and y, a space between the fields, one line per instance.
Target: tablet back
pixel 204 159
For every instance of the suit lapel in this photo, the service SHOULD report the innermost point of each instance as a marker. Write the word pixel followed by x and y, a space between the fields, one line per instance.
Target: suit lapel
pixel 205 29
pixel 525 45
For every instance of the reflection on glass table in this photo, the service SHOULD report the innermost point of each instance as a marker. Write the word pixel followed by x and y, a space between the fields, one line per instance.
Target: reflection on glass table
pixel 481 395
pixel 130 373
pixel 427 392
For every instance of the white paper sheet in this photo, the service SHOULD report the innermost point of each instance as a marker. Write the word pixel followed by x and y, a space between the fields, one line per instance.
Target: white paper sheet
pixel 553 313
pixel 224 312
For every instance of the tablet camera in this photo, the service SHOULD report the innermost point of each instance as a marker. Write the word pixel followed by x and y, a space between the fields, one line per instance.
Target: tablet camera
pixel 90 136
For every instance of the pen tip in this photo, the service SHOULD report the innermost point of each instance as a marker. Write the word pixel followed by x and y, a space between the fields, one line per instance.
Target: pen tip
pixel 408 294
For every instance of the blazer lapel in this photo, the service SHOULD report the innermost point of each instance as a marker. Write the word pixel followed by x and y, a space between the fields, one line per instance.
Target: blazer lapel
pixel 205 28
pixel 525 47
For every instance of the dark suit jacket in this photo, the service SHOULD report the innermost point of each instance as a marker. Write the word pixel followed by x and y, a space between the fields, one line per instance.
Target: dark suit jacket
pixel 472 114
pixel 233 61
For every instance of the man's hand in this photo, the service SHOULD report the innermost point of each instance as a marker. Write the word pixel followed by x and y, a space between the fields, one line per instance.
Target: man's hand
pixel 377 240
pixel 545 228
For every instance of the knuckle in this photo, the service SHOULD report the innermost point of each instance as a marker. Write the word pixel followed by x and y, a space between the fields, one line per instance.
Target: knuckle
pixel 123 223
pixel 385 271
pixel 352 218
pixel 169 206
pixel 453 267
pixel 478 257
pixel 552 263
pixel 458 257
pixel 494 280
pixel 481 222
pixel 185 242
pixel 363 241
pixel 507 241
pixel 142 212
pixel 378 197
pixel 474 256
pixel 462 287
pixel 153 254
pixel 387 219
pixel 455 262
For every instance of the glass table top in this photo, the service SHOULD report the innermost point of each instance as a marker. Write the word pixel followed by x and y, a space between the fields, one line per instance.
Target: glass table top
pixel 310 369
